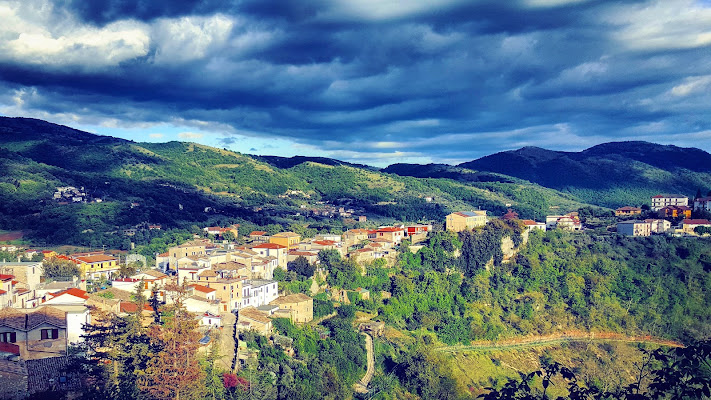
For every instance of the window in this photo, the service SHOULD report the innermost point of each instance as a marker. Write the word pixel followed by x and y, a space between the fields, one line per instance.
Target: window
pixel 50 333
pixel 8 337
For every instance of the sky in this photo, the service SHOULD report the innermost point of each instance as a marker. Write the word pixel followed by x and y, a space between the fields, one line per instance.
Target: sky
pixel 368 81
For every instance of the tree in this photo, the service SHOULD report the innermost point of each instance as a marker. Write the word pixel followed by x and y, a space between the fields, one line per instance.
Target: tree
pixel 229 236
pixel 301 266
pixel 56 268
pixel 677 373
pixel 174 372
pixel 116 352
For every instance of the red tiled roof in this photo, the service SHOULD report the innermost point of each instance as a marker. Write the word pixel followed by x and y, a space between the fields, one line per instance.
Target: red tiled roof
pixel 96 258
pixel 389 229
pixel 129 307
pixel 269 246
pixel 3 291
pixel 257 233
pixel 4 277
pixel 696 222
pixel 74 292
pixel 529 222
pixel 203 289
pixel 628 208
pixel 166 254
pixel 324 242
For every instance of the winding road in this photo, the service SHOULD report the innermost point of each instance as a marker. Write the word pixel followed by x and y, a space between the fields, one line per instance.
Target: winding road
pixel 362 385
pixel 553 339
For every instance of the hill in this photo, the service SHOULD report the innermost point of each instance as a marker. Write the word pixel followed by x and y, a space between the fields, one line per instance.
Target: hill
pixel 181 185
pixel 610 174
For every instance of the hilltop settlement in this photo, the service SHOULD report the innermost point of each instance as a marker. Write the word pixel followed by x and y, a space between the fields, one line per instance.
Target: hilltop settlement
pixel 229 282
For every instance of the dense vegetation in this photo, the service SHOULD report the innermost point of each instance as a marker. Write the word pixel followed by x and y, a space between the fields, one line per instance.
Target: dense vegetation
pixel 610 174
pixel 178 185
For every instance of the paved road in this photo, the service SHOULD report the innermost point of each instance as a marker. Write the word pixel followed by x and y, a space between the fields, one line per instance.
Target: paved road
pixel 362 385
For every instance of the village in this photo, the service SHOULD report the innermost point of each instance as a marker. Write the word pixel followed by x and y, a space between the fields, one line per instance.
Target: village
pixel 230 285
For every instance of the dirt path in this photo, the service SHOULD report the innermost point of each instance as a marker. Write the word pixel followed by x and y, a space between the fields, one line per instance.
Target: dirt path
pixel 362 385
pixel 553 339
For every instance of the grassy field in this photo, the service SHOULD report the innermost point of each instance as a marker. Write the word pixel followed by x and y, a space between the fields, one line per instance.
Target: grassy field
pixel 606 364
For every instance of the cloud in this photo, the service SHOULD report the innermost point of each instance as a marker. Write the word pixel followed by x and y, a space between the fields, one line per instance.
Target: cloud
pixel 156 135
pixel 366 80
pixel 190 135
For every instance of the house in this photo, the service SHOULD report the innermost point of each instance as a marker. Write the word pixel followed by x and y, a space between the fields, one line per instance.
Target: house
pixel 258 292
pixel 273 250
pixel 7 288
pixel 391 233
pixel 251 319
pixel 219 232
pixel 531 225
pixel 227 270
pixel 568 221
pixel 259 237
pixel 688 225
pixel 33 334
pixel 310 256
pixel 288 239
pixel 192 248
pixel 674 212
pixel 299 306
pixel 354 236
pixel 210 319
pixel 658 225
pixel 229 291
pixel 318 245
pixel 74 303
pixel 662 200
pixel 152 279
pixel 418 229
pixel 204 292
pixel 702 204
pixel 634 228
pixel 627 211
pixel 26 273
pixel 465 220
pixel 129 307
pixel 95 266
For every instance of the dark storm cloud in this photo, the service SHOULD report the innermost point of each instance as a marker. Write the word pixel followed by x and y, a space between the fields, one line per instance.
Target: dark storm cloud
pixel 446 80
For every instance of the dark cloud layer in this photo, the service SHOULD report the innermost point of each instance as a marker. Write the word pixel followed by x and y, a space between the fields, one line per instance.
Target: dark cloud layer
pixel 369 80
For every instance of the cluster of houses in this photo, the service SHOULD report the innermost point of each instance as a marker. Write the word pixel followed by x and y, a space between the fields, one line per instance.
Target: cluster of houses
pixel 669 206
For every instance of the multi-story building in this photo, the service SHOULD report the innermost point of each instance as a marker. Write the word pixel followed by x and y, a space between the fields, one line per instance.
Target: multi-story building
pixel 702 204
pixel 35 334
pixel 627 211
pixel 290 240
pixel 258 292
pixel 662 200
pixel 299 306
pixel 634 228
pixel 688 225
pixel 392 233
pixel 464 220
pixel 273 250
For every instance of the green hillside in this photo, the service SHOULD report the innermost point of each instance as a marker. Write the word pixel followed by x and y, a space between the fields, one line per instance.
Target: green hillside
pixel 180 184
pixel 610 174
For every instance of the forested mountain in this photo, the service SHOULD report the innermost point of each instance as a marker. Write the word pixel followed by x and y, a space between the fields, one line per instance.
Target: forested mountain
pixel 180 184
pixel 609 174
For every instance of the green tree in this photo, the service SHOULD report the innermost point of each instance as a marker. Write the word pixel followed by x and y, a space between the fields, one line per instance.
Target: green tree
pixel 301 266
pixel 56 268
